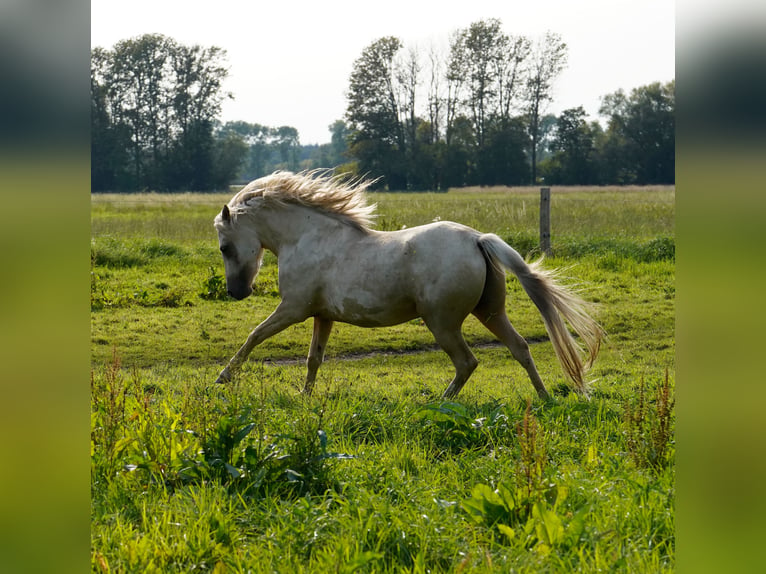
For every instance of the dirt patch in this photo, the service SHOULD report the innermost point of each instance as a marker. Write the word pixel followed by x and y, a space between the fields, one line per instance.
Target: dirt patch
pixel 358 356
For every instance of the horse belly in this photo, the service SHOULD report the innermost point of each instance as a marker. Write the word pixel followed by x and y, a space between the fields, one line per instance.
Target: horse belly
pixel 367 309
pixel 374 292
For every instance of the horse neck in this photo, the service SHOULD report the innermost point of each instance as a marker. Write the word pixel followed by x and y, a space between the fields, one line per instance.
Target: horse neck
pixel 282 226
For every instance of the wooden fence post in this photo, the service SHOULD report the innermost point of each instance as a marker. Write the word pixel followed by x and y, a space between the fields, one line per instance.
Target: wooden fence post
pixel 545 220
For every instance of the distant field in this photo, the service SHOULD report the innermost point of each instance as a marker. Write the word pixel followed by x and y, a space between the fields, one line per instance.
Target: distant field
pixel 631 213
pixel 375 473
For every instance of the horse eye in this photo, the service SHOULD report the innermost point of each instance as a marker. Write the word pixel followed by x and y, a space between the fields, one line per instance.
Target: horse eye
pixel 225 249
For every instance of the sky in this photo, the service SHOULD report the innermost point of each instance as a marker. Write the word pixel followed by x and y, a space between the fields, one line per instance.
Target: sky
pixel 290 60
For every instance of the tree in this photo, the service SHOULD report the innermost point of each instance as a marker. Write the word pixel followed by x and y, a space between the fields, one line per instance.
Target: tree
pixel 548 59
pixel 141 102
pixel 483 119
pixel 153 108
pixel 511 74
pixel 230 152
pixel 110 142
pixel 196 93
pixel 435 97
pixel 503 157
pixel 485 72
pixel 266 149
pixel 459 167
pixel 475 55
pixel 407 72
pixel 259 148
pixel 639 146
pixel 287 142
pixel 338 143
pixel 573 147
pixel 372 113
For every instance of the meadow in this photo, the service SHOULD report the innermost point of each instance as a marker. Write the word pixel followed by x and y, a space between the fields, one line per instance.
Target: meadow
pixel 374 472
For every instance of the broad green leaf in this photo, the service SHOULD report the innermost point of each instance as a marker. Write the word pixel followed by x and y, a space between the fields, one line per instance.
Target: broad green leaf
pixel 548 527
pixel 243 432
pixel 234 472
pixel 507 530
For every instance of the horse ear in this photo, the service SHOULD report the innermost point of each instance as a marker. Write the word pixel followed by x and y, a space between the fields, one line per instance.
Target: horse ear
pixel 225 215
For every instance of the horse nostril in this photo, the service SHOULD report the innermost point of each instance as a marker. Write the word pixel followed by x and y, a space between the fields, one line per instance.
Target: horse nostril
pixel 228 291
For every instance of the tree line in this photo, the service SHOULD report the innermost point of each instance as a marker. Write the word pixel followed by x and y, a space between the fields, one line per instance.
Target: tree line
pixel 476 116
pixel 155 105
pixel 417 120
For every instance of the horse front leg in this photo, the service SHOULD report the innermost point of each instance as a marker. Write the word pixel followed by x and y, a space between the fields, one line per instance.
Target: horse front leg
pixel 278 321
pixel 322 329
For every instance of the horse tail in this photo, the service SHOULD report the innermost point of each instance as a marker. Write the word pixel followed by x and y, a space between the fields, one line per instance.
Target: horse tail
pixel 556 304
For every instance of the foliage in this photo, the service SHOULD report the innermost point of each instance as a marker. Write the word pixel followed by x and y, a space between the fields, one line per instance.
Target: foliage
pixel 267 148
pixel 548 61
pixel 153 106
pixel 374 113
pixel 535 522
pixel 452 429
pixel 176 444
pixel 483 120
pixel 639 145
pixel 474 115
pixel 574 150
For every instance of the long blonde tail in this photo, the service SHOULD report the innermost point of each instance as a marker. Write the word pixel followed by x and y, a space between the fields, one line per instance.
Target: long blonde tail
pixel 556 304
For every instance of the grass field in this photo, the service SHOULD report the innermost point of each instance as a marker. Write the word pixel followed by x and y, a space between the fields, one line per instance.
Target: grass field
pixel 375 473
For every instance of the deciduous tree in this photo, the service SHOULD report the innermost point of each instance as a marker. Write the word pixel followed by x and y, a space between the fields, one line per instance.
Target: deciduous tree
pixel 373 113
pixel 154 102
pixel 641 133
pixel 548 59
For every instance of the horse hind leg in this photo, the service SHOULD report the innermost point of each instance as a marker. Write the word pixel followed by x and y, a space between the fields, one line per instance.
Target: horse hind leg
pixel 450 339
pixel 501 327
pixel 322 330
pixel 491 313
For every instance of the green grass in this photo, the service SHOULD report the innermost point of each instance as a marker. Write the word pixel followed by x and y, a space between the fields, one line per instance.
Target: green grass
pixel 374 473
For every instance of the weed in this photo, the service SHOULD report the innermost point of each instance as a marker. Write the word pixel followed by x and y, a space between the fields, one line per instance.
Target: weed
pixel 214 287
pixel 232 446
pixel 616 249
pixel 532 522
pixel 657 249
pixel 531 464
pixel 649 426
pixel 108 416
pixel 451 428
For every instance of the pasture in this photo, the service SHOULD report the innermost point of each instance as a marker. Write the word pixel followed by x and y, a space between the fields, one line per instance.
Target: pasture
pixel 374 472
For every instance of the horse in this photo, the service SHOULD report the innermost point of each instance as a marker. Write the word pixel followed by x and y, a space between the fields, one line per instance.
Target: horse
pixel 334 267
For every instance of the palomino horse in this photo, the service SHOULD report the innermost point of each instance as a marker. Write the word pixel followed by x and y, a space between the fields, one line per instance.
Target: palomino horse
pixel 334 267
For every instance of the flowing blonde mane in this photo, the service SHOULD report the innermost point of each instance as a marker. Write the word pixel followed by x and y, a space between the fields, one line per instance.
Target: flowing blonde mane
pixel 336 196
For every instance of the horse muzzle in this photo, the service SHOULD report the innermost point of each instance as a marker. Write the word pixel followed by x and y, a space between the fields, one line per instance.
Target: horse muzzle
pixel 240 292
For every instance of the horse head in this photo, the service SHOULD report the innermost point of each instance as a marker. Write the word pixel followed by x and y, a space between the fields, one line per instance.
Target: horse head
pixel 242 253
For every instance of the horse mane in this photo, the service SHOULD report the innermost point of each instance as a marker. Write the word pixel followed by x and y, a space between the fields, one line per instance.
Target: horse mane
pixel 334 195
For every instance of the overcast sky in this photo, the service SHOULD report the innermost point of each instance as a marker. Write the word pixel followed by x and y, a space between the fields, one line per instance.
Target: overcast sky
pixel 290 60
